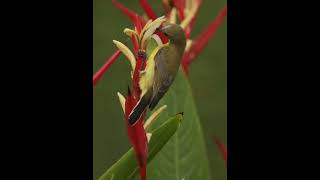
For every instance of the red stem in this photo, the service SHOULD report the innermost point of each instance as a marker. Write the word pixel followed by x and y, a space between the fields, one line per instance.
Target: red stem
pixel 139 23
pixel 135 43
pixel 167 6
pixel 147 9
pixel 97 76
pixel 180 4
pixel 202 40
pixel 185 66
pixel 143 172
pixel 137 136
pixel 124 10
pixel 192 23
pixel 129 13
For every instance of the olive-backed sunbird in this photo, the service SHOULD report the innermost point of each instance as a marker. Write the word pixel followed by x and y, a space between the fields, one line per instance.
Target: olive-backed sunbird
pixel 160 71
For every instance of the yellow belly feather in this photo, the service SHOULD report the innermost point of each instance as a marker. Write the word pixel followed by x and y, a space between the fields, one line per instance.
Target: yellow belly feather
pixel 146 79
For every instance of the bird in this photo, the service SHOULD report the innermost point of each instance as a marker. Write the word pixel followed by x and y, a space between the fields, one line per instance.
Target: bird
pixel 161 69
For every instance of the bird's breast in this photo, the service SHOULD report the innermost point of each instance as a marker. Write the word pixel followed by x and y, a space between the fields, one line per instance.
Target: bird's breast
pixel 147 78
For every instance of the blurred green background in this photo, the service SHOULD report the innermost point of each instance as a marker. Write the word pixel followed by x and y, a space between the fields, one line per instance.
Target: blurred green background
pixel 208 77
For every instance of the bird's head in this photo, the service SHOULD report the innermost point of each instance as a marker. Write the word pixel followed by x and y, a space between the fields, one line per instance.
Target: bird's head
pixel 174 33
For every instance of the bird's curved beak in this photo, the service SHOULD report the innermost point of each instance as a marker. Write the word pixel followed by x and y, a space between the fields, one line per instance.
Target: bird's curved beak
pixel 159 29
pixel 164 28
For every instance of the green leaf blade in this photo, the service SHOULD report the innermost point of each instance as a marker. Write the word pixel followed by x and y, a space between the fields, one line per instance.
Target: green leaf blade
pixel 126 167
pixel 185 155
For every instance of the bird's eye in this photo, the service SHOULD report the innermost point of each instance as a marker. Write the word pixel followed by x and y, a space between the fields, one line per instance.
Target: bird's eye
pixel 165 34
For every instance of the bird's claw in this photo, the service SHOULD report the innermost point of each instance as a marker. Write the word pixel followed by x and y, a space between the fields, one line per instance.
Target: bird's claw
pixel 142 54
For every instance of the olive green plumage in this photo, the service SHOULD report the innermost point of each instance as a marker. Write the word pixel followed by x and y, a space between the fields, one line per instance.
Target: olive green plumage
pixel 161 70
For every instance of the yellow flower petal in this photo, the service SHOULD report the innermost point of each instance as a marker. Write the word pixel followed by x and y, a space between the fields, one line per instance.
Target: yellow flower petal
pixel 152 28
pixel 173 16
pixel 130 32
pixel 146 26
pixel 189 4
pixel 122 101
pixel 157 39
pixel 149 136
pixel 189 43
pixel 126 51
pixel 190 15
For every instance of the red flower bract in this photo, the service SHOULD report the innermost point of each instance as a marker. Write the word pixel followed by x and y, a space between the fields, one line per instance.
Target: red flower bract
pixel 180 5
pixel 137 136
pixel 136 19
pixel 147 8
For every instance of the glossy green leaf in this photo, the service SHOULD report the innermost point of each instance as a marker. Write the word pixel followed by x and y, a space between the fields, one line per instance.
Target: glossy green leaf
pixel 185 155
pixel 126 167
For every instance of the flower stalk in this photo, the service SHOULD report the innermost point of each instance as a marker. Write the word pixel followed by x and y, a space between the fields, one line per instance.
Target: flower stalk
pixel 147 8
pixel 98 75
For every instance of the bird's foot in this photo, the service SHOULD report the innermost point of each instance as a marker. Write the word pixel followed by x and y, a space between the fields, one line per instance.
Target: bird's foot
pixel 142 54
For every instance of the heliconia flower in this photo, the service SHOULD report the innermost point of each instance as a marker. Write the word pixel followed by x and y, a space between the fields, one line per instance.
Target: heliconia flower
pixel 145 29
pixel 152 117
pixel 190 11
pixel 137 134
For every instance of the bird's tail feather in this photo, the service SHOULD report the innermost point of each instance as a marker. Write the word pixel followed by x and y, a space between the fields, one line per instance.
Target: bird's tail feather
pixel 139 109
pixel 155 100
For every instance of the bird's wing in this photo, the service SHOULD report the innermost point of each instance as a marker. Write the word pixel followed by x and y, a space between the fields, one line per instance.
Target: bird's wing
pixel 162 78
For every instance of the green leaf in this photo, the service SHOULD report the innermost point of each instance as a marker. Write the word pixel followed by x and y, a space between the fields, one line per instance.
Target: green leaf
pixel 185 155
pixel 126 167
